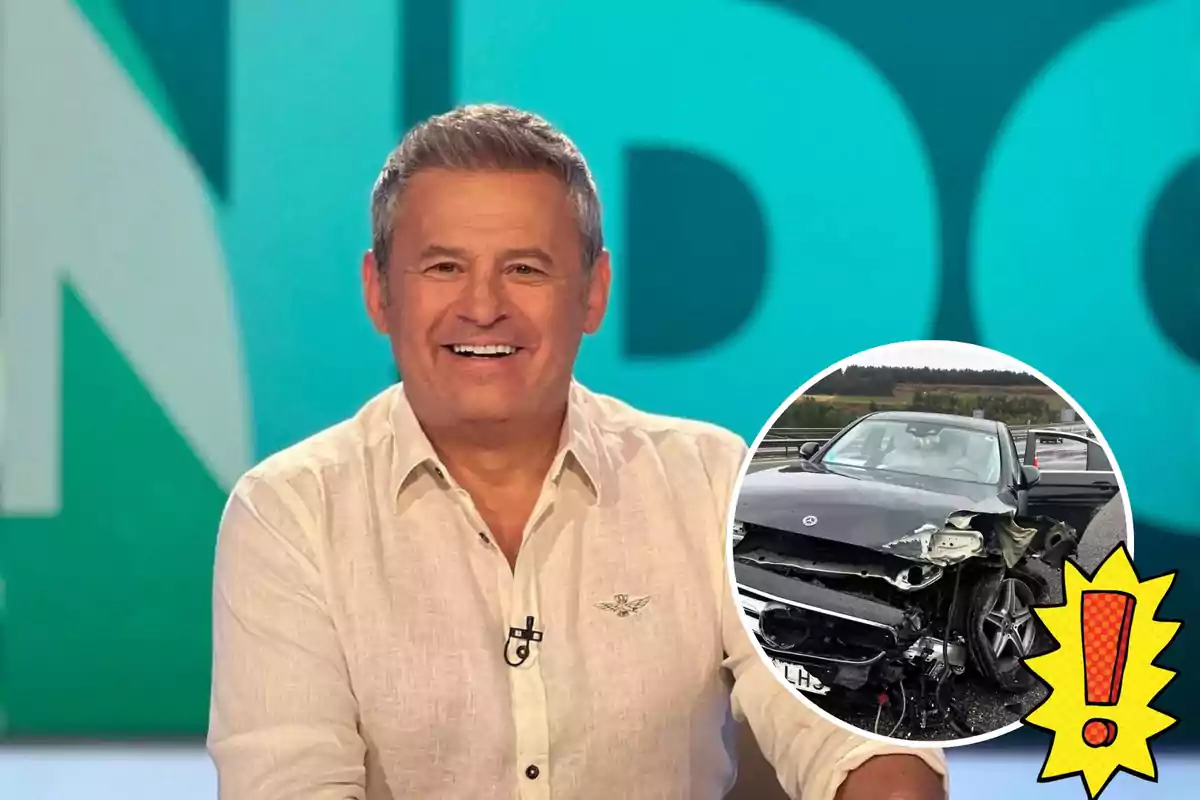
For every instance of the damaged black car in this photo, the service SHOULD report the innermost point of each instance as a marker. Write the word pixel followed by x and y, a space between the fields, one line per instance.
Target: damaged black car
pixel 894 559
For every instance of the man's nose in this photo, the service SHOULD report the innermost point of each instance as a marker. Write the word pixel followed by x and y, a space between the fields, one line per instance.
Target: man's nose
pixel 483 299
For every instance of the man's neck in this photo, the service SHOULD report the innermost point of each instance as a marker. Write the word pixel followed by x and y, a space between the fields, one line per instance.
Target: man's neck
pixel 495 457
pixel 502 469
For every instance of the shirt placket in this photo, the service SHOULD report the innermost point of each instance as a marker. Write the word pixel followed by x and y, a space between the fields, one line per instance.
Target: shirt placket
pixel 530 713
pixel 520 606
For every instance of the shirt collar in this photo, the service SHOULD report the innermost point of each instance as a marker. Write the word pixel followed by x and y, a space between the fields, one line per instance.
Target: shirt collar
pixel 410 446
pixel 412 450
pixel 580 440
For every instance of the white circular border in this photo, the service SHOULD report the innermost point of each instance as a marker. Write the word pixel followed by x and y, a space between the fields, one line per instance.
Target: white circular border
pixel 737 490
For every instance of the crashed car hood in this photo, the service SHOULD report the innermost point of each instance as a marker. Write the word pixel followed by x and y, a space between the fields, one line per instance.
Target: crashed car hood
pixel 855 507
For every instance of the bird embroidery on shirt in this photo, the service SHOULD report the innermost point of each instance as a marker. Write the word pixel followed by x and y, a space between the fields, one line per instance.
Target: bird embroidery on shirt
pixel 624 606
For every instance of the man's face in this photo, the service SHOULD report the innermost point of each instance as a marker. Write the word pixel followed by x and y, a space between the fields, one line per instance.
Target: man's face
pixel 485 298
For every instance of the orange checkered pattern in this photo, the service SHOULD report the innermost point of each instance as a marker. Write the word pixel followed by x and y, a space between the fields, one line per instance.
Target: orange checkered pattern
pixel 1107 619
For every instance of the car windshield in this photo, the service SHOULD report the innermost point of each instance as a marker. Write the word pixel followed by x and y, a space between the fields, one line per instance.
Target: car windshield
pixel 930 449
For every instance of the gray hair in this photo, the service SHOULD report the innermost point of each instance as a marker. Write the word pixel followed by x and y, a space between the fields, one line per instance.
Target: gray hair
pixel 477 137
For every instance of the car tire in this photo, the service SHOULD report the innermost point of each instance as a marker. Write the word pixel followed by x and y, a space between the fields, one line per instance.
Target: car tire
pixel 1004 629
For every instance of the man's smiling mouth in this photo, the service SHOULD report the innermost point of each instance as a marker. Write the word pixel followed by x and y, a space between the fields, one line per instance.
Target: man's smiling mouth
pixel 482 350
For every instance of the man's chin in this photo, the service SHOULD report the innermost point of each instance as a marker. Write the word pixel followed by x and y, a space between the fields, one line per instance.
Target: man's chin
pixel 480 415
pixel 479 407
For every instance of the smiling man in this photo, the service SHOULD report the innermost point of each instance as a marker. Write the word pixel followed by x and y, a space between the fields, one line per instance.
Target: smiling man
pixel 491 581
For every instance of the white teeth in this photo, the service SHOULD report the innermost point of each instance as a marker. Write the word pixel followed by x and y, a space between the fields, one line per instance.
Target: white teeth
pixel 483 349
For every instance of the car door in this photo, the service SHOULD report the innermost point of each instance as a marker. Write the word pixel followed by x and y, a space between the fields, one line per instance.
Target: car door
pixel 1071 488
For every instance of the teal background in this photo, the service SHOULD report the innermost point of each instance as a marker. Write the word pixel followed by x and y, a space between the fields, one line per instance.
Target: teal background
pixel 785 184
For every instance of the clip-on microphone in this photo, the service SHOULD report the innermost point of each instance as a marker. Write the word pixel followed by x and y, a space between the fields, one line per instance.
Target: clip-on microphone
pixel 525 636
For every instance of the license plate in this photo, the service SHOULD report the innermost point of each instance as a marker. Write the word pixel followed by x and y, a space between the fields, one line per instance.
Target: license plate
pixel 801 678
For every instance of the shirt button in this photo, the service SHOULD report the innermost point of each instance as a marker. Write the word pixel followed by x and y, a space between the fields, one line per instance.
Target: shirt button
pixel 532 772
pixel 438 471
pixel 483 537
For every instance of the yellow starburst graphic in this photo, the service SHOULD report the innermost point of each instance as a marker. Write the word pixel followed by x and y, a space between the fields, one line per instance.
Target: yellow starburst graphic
pixel 1102 676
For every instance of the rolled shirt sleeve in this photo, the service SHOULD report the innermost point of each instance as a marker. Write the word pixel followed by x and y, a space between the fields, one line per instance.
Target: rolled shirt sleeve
pixel 811 755
pixel 283 719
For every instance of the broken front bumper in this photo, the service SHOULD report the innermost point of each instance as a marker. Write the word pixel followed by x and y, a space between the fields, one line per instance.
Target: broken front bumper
pixel 842 638
pixel 804 621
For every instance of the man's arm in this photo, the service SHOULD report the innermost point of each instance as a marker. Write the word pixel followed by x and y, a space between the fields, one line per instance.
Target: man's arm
pixel 813 758
pixel 283 720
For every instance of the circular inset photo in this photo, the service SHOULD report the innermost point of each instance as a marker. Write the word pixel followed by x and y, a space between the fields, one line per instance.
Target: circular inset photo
pixel 899 519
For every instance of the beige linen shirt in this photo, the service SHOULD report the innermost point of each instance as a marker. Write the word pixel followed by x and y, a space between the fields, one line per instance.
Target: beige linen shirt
pixel 361 610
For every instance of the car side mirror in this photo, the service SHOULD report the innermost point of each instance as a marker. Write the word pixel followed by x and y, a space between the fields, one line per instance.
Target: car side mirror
pixel 1032 475
pixel 808 449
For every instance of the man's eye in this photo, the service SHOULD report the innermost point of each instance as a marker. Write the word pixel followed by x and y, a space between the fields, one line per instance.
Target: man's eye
pixel 525 269
pixel 444 268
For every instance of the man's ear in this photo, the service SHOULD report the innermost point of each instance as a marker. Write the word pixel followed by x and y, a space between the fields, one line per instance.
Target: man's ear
pixel 597 292
pixel 374 292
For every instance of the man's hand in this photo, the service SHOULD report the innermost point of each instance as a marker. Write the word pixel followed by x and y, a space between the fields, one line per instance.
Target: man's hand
pixel 892 777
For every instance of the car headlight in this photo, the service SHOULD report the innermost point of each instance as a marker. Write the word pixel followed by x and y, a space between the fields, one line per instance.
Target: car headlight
pixel 738 532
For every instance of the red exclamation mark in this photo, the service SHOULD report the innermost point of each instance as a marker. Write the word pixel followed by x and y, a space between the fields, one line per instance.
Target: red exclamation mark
pixel 1107 620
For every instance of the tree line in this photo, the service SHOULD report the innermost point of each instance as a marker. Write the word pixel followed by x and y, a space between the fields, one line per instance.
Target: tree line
pixel 882 381
pixel 808 412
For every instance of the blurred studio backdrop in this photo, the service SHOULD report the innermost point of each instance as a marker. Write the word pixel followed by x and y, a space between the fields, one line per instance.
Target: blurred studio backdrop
pixel 183 206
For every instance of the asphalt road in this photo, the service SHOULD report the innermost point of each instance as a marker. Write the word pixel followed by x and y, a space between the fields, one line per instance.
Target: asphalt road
pixel 759 464
pixel 988 709
pixel 1051 455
